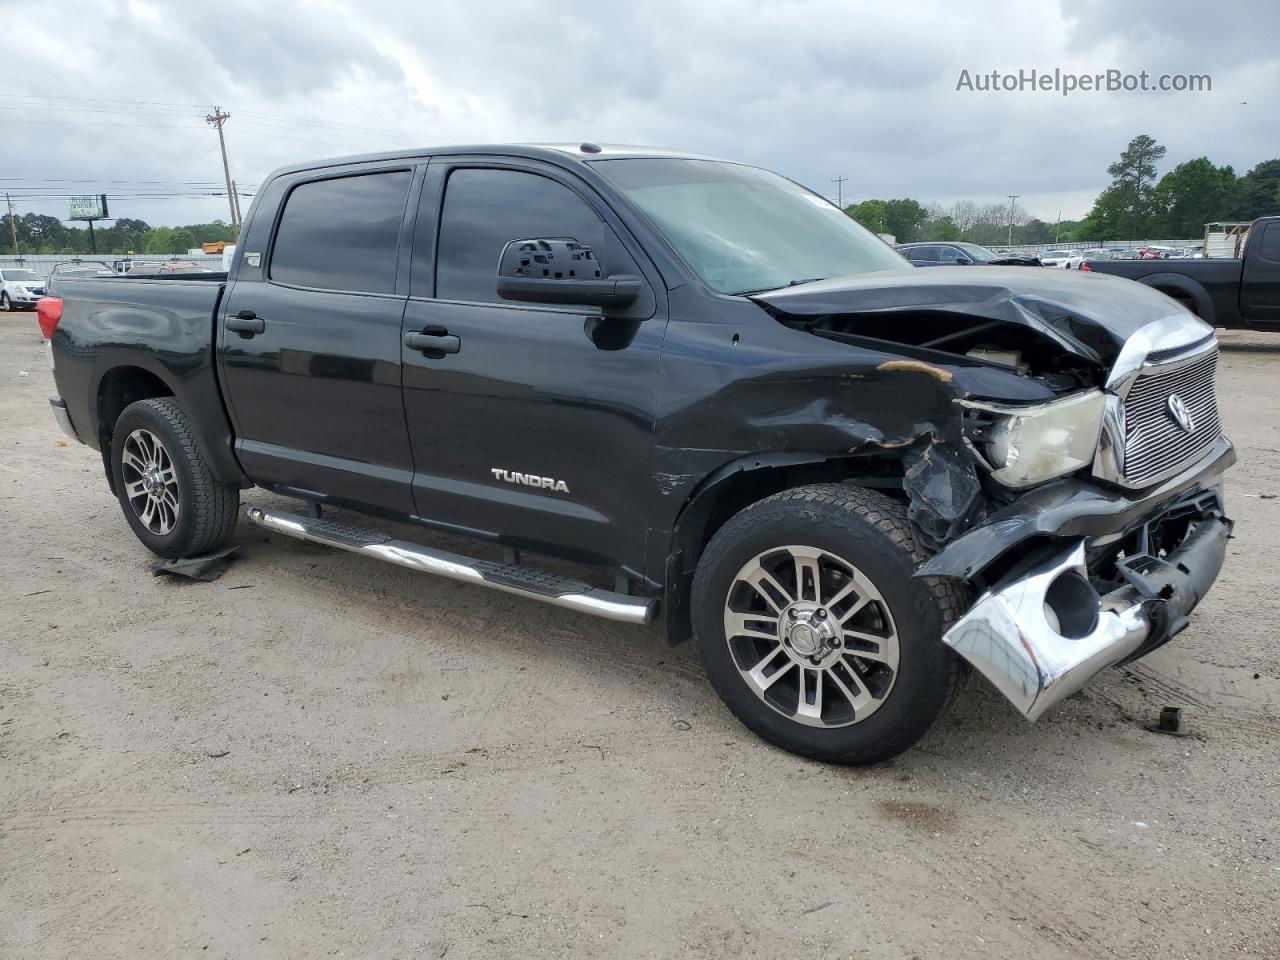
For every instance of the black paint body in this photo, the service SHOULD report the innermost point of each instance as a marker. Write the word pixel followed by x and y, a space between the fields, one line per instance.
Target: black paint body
pixel 650 417
pixel 1224 292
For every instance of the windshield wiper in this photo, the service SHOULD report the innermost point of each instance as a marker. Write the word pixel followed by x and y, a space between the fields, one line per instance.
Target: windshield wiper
pixel 789 283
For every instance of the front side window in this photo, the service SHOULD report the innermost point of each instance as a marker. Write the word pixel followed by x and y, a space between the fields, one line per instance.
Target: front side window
pixel 746 230
pixel 485 209
pixel 342 234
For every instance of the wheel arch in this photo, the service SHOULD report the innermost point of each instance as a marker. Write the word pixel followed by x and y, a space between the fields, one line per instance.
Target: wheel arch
pixel 122 384
pixel 1185 290
pixel 745 481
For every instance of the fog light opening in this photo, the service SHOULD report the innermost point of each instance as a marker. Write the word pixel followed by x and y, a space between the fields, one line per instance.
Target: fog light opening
pixel 1071 606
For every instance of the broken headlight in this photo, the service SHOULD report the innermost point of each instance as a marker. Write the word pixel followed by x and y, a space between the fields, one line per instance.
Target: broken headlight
pixel 1029 445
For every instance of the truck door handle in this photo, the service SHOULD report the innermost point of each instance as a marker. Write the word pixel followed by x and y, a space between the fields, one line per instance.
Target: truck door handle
pixel 438 341
pixel 246 323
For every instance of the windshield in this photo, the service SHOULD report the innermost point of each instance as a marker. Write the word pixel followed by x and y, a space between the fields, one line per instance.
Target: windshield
pixel 976 253
pixel 745 230
pixel 22 276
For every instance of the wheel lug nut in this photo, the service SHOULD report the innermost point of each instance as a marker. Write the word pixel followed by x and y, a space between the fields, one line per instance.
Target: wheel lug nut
pixel 835 641
pixel 821 614
pixel 792 614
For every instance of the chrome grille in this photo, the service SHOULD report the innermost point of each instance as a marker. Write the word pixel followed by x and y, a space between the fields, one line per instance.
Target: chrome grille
pixel 1155 445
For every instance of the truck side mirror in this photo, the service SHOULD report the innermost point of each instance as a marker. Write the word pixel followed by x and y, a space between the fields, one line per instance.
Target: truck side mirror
pixel 561 270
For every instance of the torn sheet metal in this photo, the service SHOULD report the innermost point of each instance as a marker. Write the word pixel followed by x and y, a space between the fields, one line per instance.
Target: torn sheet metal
pixel 945 493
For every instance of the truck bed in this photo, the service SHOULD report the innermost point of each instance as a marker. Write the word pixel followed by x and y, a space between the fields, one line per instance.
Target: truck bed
pixel 162 327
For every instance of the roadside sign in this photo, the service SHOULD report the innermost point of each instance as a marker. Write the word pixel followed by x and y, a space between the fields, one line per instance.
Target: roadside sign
pixel 89 208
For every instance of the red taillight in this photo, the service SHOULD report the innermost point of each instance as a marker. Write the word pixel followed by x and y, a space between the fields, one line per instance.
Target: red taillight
pixel 1085 266
pixel 48 313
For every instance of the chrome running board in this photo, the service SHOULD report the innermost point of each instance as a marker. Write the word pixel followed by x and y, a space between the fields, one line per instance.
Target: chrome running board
pixel 507 577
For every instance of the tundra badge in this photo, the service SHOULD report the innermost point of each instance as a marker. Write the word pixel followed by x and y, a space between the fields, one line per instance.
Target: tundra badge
pixel 529 480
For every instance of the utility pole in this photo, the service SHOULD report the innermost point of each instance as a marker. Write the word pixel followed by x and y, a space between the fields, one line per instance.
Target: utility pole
pixel 235 193
pixel 839 182
pixel 1012 197
pixel 1057 230
pixel 217 119
pixel 13 227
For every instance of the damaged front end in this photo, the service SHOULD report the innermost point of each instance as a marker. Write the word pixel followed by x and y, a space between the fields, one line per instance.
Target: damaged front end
pixel 1088 518
pixel 1065 612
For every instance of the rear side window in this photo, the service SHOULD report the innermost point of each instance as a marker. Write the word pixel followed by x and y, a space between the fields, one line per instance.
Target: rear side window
pixel 1270 248
pixel 342 234
pixel 922 253
pixel 486 209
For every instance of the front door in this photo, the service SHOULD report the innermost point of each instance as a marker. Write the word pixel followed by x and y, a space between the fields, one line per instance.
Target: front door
pixel 530 424
pixel 310 345
pixel 1260 280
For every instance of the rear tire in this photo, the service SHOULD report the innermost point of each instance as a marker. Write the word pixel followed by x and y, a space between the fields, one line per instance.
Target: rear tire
pixel 814 632
pixel 169 496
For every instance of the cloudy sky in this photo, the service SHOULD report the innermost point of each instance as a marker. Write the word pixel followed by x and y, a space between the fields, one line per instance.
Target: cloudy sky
pixel 112 95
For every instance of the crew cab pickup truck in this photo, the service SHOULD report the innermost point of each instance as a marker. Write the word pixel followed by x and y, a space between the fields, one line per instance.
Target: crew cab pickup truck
pixel 1222 291
pixel 756 424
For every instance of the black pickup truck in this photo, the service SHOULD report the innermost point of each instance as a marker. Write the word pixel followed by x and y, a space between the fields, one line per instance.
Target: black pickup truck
pixel 1224 292
pixel 846 478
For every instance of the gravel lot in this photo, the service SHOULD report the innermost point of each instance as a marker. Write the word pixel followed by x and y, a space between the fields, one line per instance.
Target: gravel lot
pixel 318 755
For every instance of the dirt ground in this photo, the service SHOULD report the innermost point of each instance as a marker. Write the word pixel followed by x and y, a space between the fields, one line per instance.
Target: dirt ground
pixel 319 755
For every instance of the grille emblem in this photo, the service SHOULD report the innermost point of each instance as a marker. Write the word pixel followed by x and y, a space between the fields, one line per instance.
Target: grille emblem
pixel 1180 414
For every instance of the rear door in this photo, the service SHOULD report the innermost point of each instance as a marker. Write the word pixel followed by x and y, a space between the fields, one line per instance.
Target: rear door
pixel 537 429
pixel 310 341
pixel 1260 288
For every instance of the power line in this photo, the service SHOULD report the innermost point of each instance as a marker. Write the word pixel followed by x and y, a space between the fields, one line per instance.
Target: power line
pixel 148 108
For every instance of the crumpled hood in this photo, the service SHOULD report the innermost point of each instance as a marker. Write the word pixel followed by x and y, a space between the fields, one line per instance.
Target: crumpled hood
pixel 1086 313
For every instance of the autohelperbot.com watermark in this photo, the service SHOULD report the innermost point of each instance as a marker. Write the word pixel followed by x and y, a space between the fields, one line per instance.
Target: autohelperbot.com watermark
pixel 1065 83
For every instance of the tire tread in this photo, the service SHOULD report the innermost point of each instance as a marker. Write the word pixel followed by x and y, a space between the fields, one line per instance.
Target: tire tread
pixel 214 506
pixel 889 518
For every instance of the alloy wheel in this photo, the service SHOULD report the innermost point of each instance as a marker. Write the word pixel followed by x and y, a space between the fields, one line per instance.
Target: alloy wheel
pixel 150 482
pixel 811 636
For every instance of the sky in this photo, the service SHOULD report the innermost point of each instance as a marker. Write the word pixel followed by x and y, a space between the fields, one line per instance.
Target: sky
pixel 111 96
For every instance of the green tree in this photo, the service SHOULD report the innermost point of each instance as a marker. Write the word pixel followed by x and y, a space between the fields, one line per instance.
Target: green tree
pixel 159 240
pixel 129 235
pixel 1259 192
pixel 903 219
pixel 182 240
pixel 871 214
pixel 1034 231
pixel 1195 193
pixel 940 228
pixel 1130 194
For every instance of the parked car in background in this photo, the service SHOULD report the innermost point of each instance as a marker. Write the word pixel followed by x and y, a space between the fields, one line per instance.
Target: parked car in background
pixel 1154 253
pixel 20 289
pixel 1056 258
pixel 959 253
pixel 1081 257
pixel 1222 291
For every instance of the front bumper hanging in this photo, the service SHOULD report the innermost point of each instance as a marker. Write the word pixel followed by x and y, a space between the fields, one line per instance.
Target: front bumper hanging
pixel 1043 632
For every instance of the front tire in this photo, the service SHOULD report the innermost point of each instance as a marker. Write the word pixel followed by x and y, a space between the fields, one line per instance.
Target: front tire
pixel 5 305
pixel 169 496
pixel 813 631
